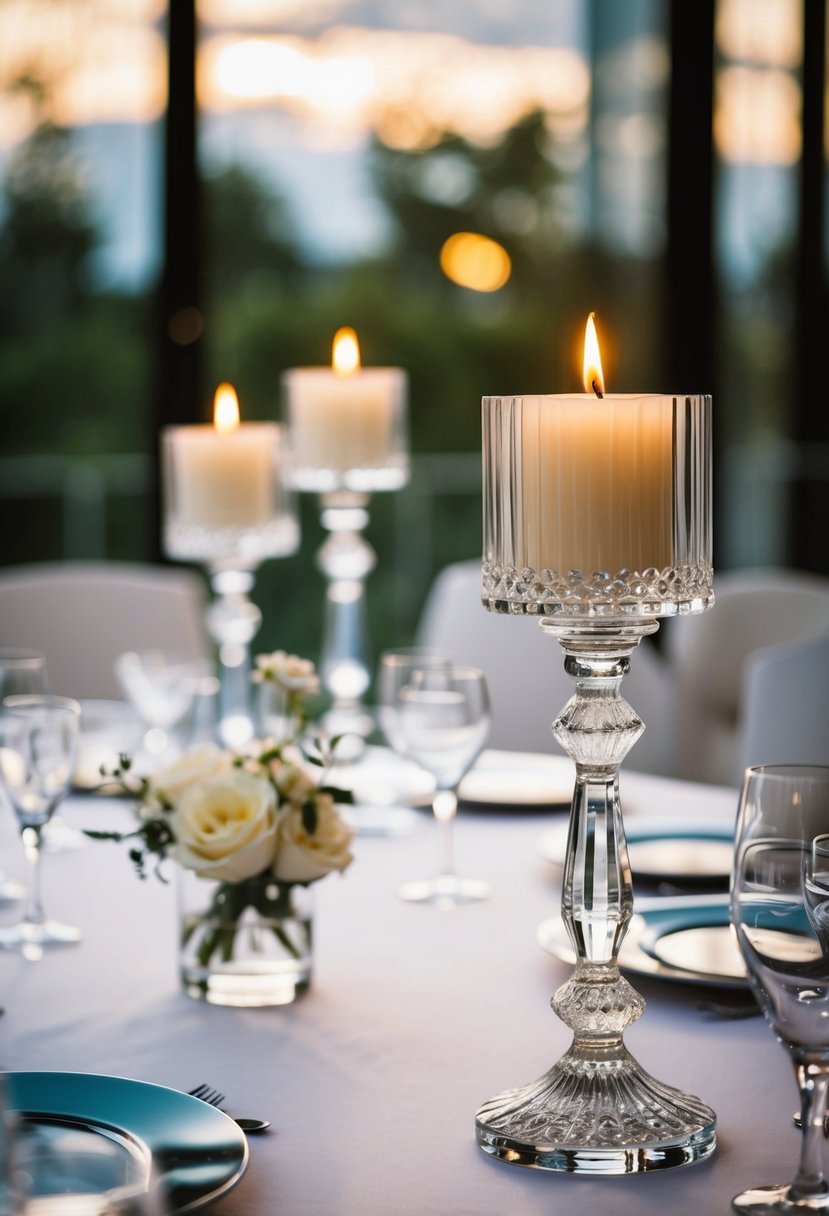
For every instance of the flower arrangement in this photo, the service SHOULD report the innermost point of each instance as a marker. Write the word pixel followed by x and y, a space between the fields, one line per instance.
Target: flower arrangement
pixel 259 823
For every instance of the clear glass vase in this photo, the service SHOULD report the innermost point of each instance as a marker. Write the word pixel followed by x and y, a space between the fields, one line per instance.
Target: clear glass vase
pixel 244 943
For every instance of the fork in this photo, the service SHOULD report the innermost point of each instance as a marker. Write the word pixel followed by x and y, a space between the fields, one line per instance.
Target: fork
pixel 214 1098
pixel 205 1094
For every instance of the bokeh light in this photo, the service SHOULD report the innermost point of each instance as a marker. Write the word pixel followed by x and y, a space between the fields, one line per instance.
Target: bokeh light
pixel 475 261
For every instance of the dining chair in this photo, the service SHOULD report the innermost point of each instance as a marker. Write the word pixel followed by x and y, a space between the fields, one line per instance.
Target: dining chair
pixel 785 705
pixel 528 685
pixel 82 615
pixel 708 654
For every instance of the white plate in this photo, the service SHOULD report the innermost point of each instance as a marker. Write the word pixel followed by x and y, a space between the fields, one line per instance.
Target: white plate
pixel 687 939
pixel 524 780
pixel 689 851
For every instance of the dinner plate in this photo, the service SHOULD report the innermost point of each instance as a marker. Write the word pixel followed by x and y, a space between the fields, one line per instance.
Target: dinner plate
pixel 693 852
pixel 95 1134
pixel 522 780
pixel 687 938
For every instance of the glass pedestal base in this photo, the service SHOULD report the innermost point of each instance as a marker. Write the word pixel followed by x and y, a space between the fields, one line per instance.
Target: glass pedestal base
pixel 779 1201
pixel 444 890
pixel 597 1111
pixel 599 1115
pixel 31 938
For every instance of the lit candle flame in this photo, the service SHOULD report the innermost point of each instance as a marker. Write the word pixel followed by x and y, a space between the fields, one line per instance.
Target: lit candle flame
pixel 225 408
pixel 592 366
pixel 346 352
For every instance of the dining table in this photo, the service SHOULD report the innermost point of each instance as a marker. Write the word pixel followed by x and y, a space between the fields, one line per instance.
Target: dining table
pixel 415 1015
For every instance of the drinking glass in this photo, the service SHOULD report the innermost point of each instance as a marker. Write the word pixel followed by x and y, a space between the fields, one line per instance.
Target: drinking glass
pixel 38 740
pixel 394 672
pixel 780 911
pixel 21 671
pixel 162 685
pixel 441 718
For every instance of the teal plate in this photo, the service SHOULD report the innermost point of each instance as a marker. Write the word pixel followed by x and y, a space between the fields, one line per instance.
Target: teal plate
pixel 687 938
pixel 89 1133
pixel 688 852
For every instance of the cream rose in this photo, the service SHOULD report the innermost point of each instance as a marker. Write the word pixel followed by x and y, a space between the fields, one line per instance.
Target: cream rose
pixel 205 763
pixel 288 671
pixel 294 783
pixel 226 829
pixel 305 857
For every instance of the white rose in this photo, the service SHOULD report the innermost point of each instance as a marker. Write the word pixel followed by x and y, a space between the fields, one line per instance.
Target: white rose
pixel 305 857
pixel 289 671
pixel 205 763
pixel 295 783
pixel 226 829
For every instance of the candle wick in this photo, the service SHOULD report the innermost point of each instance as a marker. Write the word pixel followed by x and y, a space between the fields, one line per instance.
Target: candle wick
pixel 596 389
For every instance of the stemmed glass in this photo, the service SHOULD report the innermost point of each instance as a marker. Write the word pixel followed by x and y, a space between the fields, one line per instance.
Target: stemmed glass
pixel 21 671
pixel 394 673
pixel 162 685
pixel 780 911
pixel 441 718
pixel 38 739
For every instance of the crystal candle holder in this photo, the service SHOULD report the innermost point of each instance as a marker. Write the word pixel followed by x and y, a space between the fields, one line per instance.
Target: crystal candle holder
pixel 597 520
pixel 226 506
pixel 347 441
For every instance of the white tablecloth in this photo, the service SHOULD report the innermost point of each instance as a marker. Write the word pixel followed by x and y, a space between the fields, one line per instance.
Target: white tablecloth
pixel 415 1016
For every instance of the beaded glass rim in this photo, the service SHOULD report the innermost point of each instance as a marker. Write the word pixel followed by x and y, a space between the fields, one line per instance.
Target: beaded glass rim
pixel 674 591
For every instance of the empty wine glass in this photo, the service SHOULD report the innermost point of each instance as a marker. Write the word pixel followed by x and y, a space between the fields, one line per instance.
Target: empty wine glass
pixel 394 672
pixel 441 718
pixel 38 740
pixel 780 911
pixel 21 671
pixel 161 684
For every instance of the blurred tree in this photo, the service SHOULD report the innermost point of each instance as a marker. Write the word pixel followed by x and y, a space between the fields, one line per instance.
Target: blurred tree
pixel 49 229
pixel 250 239
pixel 506 191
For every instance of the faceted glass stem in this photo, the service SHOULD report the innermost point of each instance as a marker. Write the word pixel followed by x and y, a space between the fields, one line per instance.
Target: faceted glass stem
pixel 346 559
pixel 597 1110
pixel 233 621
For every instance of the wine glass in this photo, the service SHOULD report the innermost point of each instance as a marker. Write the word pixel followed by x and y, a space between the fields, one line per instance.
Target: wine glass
pixel 780 911
pixel 21 671
pixel 396 667
pixel 38 740
pixel 382 787
pixel 162 685
pixel 441 717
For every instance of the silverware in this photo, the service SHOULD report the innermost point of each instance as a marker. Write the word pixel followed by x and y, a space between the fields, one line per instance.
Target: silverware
pixel 213 1098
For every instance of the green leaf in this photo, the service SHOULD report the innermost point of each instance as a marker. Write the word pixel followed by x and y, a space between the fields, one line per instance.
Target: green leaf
pixel 309 817
pixel 339 795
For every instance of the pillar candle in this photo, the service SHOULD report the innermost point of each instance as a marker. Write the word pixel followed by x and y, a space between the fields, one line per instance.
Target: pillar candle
pixel 222 475
pixel 345 417
pixel 596 483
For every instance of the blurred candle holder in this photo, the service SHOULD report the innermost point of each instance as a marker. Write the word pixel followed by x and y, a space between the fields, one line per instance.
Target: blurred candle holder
pixel 347 440
pixel 228 508
pixel 597 521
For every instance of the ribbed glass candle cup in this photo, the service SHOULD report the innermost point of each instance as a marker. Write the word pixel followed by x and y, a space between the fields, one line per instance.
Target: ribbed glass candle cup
pixel 597 507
